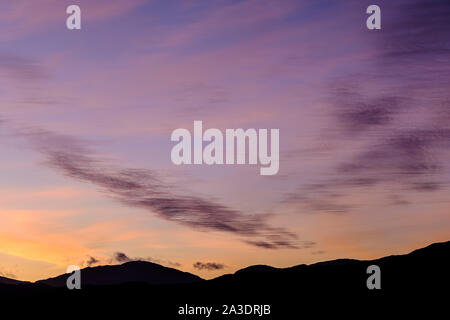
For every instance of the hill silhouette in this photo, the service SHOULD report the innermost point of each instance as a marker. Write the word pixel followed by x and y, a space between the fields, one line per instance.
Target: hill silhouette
pixel 8 281
pixel 335 288
pixel 133 271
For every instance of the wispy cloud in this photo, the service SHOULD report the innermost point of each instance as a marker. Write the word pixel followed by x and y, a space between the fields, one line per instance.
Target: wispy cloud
pixel 395 111
pixel 92 261
pixel 144 188
pixel 209 266
pixel 19 68
pixel 20 17
pixel 121 257
pixel 7 274
pixel 276 243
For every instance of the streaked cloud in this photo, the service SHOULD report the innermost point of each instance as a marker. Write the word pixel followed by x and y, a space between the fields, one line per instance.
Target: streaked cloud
pixel 208 266
pixel 394 112
pixel 145 189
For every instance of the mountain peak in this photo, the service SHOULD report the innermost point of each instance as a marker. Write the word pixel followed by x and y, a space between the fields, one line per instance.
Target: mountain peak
pixel 4 280
pixel 132 271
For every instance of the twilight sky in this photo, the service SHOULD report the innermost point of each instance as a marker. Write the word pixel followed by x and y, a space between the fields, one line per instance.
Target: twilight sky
pixel 86 118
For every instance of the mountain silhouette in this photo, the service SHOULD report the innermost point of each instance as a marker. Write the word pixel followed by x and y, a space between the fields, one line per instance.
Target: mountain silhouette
pixel 8 281
pixel 337 288
pixel 133 271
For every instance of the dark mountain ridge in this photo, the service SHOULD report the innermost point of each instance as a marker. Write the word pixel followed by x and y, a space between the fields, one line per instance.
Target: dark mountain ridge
pixel 9 281
pixel 133 271
pixel 152 273
pixel 337 288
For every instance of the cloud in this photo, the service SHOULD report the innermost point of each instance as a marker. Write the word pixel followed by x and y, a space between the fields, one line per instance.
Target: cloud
pixel 276 243
pixel 92 261
pixel 7 275
pixel 262 244
pixel 356 113
pixel 407 138
pixel 393 113
pixel 19 68
pixel 20 17
pixel 209 266
pixel 121 257
pixel 143 188
pixel 163 262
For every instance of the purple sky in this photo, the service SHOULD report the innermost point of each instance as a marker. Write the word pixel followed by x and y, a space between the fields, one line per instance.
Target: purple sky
pixel 86 118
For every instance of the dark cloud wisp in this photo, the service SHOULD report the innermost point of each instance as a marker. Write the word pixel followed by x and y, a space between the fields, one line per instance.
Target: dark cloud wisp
pixel 209 266
pixel 143 188
pixel 395 112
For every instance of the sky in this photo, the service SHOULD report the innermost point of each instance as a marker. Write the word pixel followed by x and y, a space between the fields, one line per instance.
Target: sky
pixel 86 117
